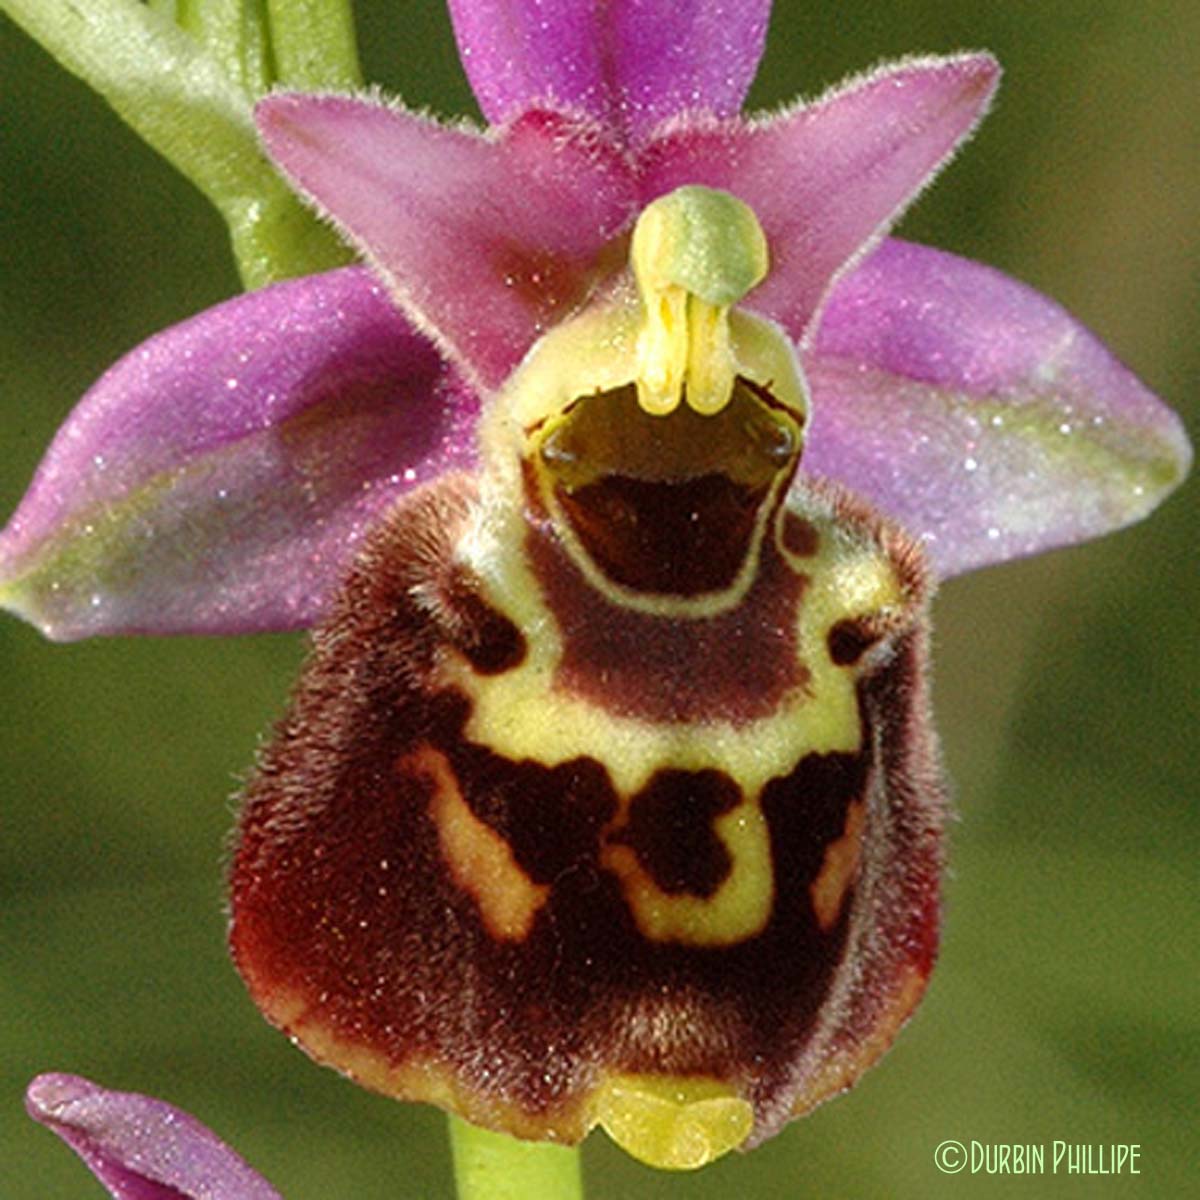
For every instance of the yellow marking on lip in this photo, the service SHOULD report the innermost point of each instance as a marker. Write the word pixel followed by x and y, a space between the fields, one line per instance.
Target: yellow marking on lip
pixel 480 860
pixel 828 890
pixel 524 715
pixel 521 714
pixel 737 910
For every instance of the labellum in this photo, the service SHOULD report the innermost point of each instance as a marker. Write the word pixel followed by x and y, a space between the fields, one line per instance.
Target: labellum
pixel 609 794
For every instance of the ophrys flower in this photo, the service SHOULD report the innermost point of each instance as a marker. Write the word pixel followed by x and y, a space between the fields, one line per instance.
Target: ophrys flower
pixel 649 644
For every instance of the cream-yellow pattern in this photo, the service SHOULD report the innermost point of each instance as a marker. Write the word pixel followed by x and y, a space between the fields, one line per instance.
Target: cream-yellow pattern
pixel 480 861
pixel 523 714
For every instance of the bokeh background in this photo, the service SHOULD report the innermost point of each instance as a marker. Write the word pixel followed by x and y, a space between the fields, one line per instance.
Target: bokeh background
pixel 1065 1006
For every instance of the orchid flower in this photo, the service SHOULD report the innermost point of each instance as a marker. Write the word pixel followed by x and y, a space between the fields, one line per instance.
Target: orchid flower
pixel 615 485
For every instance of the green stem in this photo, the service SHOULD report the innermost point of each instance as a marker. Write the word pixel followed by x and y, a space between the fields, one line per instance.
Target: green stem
pixel 183 101
pixel 492 1166
pixel 314 44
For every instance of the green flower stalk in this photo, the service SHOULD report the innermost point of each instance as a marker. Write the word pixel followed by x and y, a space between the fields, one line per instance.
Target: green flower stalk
pixel 186 77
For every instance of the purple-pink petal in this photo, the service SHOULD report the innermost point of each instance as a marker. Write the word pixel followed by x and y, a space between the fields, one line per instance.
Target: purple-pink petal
pixel 141 1148
pixel 218 478
pixel 980 414
pixel 485 240
pixel 826 180
pixel 628 64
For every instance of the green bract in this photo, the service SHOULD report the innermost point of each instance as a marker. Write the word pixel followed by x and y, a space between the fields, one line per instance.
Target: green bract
pixel 186 76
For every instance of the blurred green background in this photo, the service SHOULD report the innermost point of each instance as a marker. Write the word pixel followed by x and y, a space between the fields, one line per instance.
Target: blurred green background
pixel 1065 1006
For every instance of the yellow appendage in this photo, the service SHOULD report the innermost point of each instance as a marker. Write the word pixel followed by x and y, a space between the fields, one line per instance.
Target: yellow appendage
pixel 676 1124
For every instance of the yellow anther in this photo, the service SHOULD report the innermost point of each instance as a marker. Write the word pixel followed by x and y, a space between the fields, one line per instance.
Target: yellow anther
pixel 696 252
pixel 711 364
pixel 662 351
